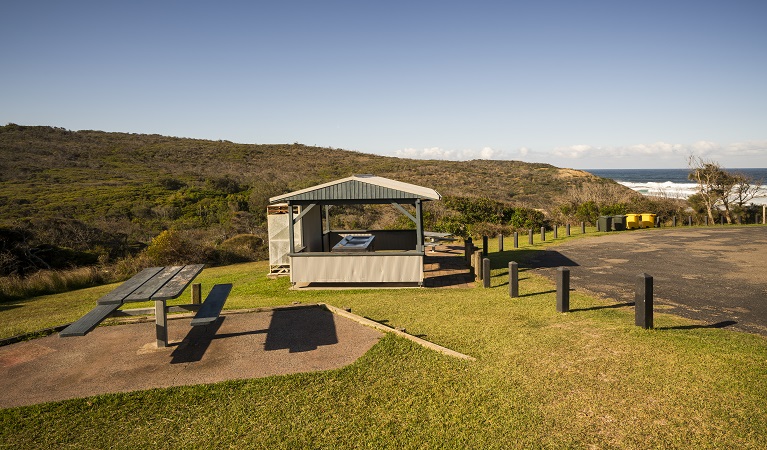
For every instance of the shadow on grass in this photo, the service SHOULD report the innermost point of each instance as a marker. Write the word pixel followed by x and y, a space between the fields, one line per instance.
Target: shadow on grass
pixel 9 306
pixel 532 294
pixel 595 308
pixel 530 259
pixel 722 324
pixel 506 283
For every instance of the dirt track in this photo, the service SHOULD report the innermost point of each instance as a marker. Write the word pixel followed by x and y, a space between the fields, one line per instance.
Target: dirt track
pixel 716 275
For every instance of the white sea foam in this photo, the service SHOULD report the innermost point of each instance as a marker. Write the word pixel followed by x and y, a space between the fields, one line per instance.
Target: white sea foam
pixel 681 190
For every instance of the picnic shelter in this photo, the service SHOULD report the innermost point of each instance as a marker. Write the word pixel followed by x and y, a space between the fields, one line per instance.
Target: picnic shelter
pixel 319 254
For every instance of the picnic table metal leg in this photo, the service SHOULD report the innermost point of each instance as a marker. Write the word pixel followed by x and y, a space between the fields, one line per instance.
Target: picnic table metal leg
pixel 161 323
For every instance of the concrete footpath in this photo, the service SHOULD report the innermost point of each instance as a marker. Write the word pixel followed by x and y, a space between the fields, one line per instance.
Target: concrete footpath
pixel 123 358
pixel 712 274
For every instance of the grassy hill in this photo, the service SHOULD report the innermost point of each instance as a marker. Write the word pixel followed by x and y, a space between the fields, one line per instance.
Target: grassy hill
pixel 53 170
pixel 75 196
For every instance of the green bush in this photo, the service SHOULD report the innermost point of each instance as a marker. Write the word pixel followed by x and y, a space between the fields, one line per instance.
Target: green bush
pixel 242 248
pixel 172 247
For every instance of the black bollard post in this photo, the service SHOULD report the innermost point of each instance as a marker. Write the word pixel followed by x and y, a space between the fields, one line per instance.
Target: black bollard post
pixel 689 221
pixel 673 221
pixel 556 232
pixel 643 302
pixel 530 237
pixel 486 272
pixel 583 227
pixel 563 289
pixel 706 220
pixel 543 234
pixel 500 242
pixel 722 220
pixel 516 240
pixel 567 228
pixel 469 250
pixel 478 265
pixel 513 279
pixel 484 245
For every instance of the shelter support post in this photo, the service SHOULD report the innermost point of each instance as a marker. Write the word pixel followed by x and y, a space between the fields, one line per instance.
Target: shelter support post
pixel 291 231
pixel 419 223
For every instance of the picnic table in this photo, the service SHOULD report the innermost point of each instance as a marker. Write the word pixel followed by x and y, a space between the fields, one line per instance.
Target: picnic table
pixel 158 284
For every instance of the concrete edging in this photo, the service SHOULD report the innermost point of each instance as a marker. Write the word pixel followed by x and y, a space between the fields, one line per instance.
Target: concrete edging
pixel 384 328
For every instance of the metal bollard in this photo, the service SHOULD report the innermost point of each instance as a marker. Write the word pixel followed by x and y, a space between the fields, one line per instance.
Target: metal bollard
pixel 543 234
pixel 673 221
pixel 500 242
pixel 563 289
pixel 567 228
pixel 583 227
pixel 486 272
pixel 689 221
pixel 516 240
pixel 643 300
pixel 530 237
pixel 513 279
pixel 556 233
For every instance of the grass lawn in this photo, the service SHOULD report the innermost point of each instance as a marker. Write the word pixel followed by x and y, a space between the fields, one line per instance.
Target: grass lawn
pixel 584 379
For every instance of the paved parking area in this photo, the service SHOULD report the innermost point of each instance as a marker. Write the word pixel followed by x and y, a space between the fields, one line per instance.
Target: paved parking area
pixel 717 275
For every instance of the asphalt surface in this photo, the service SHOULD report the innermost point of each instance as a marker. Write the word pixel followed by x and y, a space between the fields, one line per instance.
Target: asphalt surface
pixel 715 275
pixel 123 358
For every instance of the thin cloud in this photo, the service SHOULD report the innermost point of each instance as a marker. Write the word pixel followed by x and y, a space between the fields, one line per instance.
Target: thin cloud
pixel 453 155
pixel 656 149
pixel 752 148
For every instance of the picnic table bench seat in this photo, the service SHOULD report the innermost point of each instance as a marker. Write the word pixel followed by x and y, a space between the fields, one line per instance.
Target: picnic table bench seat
pixel 211 307
pixel 89 321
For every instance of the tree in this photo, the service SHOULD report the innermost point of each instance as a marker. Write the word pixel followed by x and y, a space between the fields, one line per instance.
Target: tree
pixel 725 184
pixel 746 188
pixel 717 186
pixel 710 179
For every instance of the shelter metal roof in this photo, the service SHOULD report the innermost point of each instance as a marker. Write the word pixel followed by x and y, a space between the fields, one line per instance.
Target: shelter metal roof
pixel 362 188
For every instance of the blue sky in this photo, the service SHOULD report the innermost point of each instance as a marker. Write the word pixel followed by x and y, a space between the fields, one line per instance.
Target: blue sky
pixel 581 84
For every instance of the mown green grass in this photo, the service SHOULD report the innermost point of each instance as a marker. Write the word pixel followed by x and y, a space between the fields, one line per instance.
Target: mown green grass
pixel 588 378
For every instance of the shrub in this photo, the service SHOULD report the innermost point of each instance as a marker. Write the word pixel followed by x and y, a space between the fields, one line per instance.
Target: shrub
pixel 172 247
pixel 242 248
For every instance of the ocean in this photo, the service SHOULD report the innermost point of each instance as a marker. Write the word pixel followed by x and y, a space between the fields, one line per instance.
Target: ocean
pixel 672 182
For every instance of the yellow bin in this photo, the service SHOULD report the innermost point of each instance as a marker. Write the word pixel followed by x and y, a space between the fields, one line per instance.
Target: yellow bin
pixel 632 221
pixel 648 220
